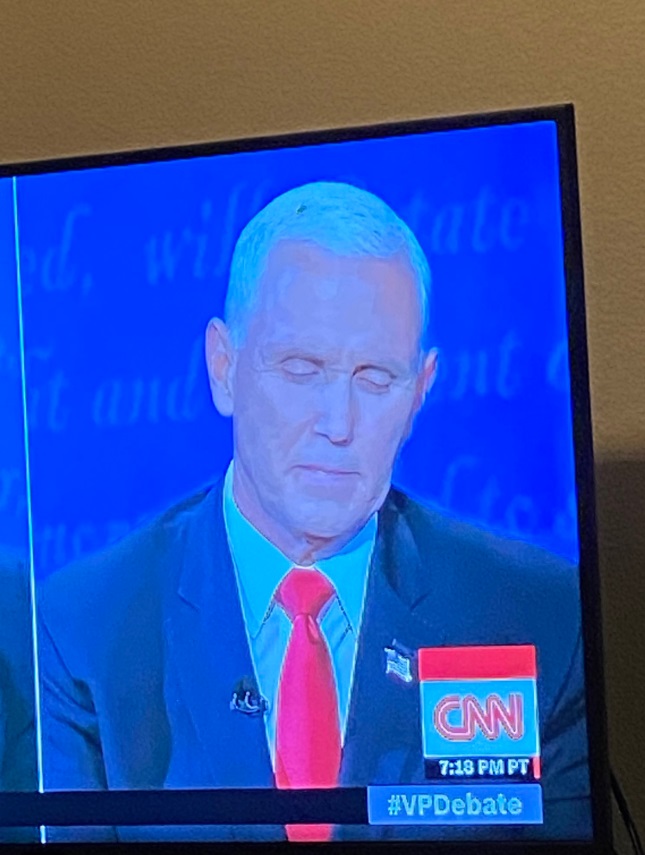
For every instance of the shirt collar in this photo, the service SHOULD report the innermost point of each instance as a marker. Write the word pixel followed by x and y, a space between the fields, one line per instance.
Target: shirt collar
pixel 260 565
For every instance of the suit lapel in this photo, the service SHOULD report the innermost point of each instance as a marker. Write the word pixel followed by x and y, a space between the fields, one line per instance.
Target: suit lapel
pixel 208 654
pixel 383 739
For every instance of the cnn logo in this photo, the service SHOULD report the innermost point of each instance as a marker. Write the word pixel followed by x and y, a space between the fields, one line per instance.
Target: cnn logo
pixel 458 718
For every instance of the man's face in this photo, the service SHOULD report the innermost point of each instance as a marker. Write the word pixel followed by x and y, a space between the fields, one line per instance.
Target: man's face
pixel 325 387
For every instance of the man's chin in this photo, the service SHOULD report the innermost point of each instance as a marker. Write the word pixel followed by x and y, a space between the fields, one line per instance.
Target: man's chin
pixel 327 521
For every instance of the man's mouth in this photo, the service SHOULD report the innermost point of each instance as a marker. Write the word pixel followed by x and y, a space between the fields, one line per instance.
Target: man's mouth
pixel 325 469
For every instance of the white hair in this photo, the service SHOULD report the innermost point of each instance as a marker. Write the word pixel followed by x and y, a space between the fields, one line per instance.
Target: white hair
pixel 339 218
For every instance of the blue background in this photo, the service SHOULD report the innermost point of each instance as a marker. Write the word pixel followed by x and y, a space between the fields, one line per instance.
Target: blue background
pixel 122 268
pixel 14 538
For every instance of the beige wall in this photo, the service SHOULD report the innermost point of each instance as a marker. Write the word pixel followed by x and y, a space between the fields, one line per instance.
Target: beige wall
pixel 98 75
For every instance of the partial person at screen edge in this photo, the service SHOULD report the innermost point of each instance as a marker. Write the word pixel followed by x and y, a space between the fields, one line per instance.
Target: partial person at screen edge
pixel 322 362
pixel 18 770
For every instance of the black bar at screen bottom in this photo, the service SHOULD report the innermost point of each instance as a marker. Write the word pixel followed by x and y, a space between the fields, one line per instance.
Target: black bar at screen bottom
pixel 343 806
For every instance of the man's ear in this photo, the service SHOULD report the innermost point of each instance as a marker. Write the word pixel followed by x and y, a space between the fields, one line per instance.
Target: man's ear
pixel 220 361
pixel 428 373
pixel 424 381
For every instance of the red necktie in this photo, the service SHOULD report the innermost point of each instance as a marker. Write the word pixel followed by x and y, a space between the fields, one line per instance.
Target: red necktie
pixel 308 731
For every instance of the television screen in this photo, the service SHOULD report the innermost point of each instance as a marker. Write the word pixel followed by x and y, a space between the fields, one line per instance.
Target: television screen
pixel 295 492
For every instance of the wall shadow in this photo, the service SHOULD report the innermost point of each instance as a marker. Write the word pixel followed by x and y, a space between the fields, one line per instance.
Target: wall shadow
pixel 620 491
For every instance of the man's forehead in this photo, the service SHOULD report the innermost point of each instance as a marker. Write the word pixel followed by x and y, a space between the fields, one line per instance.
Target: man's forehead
pixel 338 307
pixel 325 273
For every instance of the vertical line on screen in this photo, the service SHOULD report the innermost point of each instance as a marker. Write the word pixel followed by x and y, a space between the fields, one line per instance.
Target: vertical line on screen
pixel 32 577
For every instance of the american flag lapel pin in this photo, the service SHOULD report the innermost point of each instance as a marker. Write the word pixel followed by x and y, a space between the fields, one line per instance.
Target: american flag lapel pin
pixel 399 662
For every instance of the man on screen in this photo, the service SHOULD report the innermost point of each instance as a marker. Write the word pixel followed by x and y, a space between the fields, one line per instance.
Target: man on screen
pixel 239 640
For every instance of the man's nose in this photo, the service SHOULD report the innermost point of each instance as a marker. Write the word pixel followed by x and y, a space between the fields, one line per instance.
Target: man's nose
pixel 336 415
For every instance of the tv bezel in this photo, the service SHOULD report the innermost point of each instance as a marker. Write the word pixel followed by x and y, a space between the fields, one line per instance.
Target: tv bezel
pixel 564 118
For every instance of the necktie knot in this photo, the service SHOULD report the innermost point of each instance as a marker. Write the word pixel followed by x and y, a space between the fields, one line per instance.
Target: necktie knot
pixel 304 592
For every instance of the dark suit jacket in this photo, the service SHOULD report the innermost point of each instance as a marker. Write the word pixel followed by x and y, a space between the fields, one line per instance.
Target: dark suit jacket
pixel 18 769
pixel 141 647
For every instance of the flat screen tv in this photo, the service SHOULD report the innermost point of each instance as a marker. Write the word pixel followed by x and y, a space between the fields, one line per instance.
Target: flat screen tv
pixel 296 495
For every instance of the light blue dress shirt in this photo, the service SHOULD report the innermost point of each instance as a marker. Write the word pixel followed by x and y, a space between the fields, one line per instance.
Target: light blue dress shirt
pixel 259 568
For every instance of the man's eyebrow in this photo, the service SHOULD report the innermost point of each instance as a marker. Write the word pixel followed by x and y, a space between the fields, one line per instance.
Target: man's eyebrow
pixel 293 351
